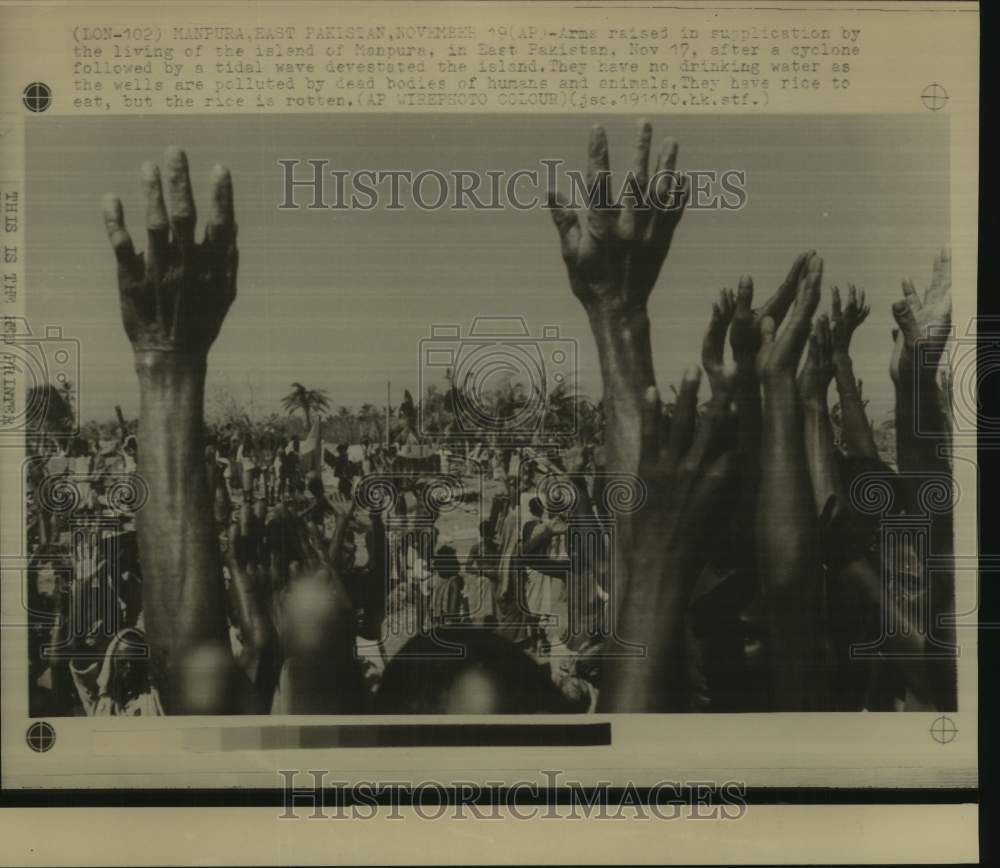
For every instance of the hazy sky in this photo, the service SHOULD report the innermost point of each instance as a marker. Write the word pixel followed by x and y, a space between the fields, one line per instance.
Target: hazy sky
pixel 340 299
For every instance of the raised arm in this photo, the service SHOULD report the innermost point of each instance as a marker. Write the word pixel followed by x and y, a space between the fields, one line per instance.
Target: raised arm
pixel 923 429
pixel 786 517
pixel 713 345
pixel 814 387
pixel 745 338
pixel 613 256
pixel 686 478
pixel 173 301
pixel 859 441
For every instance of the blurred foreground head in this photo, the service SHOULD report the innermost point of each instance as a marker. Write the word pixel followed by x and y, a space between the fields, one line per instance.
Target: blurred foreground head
pixel 207 681
pixel 461 670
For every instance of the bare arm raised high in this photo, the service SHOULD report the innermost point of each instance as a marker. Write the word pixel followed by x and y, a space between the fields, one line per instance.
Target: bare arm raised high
pixel 845 319
pixel 174 298
pixel 613 255
pixel 786 516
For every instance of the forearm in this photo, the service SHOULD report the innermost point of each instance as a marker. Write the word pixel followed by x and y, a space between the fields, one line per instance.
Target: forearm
pixel 626 359
pixel 820 453
pixel 748 413
pixel 922 431
pixel 786 517
pixel 857 432
pixel 788 567
pixel 183 594
pixel 254 621
pixel 653 621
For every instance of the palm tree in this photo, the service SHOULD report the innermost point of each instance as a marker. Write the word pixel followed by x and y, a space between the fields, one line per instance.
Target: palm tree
pixel 368 419
pixel 306 400
pixel 345 427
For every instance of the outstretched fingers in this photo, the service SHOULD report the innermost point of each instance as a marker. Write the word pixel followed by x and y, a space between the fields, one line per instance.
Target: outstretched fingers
pixel 744 297
pixel 910 295
pixel 220 229
pixel 668 195
pixel 806 300
pixel 180 201
pixel 651 427
pixel 902 312
pixel 121 241
pixel 836 306
pixel 157 225
pixel 635 202
pixel 713 344
pixel 685 415
pixel 598 180
pixel 778 304
pixel 567 224
pixel 941 281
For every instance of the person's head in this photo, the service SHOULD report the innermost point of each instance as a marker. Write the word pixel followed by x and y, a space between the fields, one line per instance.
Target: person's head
pixel 342 449
pixel 314 485
pixel 446 562
pixel 295 442
pixel 315 616
pixel 463 670
pixel 365 440
pixel 130 667
pixel 207 680
pixel 536 508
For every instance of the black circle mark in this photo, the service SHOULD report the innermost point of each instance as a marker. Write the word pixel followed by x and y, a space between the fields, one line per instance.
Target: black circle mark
pixel 934 97
pixel 37 96
pixel 40 736
pixel 943 730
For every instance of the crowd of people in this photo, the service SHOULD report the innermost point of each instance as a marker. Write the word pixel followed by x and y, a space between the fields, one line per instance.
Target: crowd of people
pixel 731 555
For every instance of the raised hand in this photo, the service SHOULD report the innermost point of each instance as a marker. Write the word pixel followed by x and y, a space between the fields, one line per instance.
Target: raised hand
pixel 173 301
pixel 614 250
pixel 779 354
pixel 714 343
pixel 683 472
pixel 817 372
pixel 927 320
pixel 814 384
pixel 176 295
pixel 923 412
pixel 745 331
pixel 845 319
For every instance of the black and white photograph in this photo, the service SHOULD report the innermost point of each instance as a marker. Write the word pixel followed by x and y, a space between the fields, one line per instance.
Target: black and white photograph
pixel 423 420
pixel 491 415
